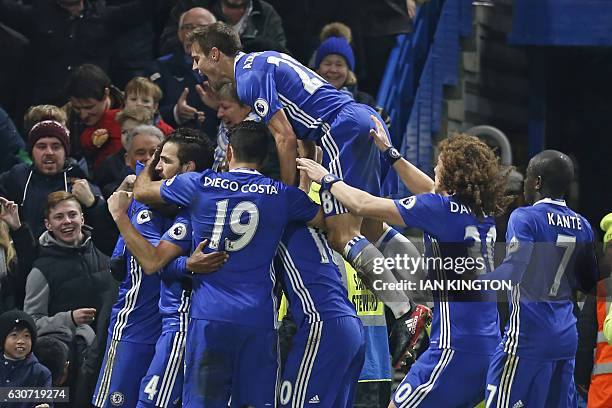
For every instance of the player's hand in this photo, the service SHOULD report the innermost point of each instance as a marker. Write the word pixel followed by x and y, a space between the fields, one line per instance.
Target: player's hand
pixel 151 165
pixel 10 213
pixel 118 203
pixel 199 262
pixel 127 184
pixel 379 135
pixel 411 6
pixel 313 169
pixel 208 95
pixel 82 192
pixel 99 137
pixel 83 316
pixel 185 112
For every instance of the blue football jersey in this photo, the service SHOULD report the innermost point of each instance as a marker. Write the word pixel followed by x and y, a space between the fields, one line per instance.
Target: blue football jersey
pixel 463 320
pixel 311 279
pixel 245 214
pixel 549 254
pixel 135 316
pixel 174 298
pixel 269 81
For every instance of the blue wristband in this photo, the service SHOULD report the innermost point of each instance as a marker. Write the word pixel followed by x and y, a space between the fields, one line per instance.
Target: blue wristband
pixel 328 180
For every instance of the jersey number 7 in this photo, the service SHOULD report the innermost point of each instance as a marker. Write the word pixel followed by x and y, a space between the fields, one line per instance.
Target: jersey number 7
pixel 569 244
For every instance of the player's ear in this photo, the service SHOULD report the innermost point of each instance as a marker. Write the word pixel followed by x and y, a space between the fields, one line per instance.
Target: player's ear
pixel 538 183
pixel 230 153
pixel 215 54
pixel 189 166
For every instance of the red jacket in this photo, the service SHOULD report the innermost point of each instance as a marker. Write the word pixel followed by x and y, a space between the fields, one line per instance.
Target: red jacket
pixel 96 155
pixel 164 127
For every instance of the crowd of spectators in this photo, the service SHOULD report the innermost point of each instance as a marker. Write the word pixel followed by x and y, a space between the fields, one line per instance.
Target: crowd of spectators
pixel 87 89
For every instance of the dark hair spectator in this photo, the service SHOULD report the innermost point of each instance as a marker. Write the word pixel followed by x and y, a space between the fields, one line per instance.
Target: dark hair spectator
pixel 89 89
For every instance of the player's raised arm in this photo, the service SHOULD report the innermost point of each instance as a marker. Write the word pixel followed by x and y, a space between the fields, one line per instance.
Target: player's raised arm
pixel 412 177
pixel 145 189
pixel 286 145
pixel 150 258
pixel 357 201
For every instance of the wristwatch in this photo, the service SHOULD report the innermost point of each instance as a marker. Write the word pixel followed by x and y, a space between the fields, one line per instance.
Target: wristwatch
pixel 328 180
pixel 392 155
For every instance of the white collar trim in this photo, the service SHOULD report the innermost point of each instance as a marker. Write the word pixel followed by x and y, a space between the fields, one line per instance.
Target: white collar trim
pixel 244 170
pixel 237 58
pixel 556 201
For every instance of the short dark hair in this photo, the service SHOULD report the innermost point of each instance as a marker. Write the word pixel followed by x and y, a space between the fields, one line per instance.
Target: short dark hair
pixel 556 170
pixel 193 145
pixel 87 81
pixel 57 197
pixel 219 35
pixel 249 141
pixel 53 354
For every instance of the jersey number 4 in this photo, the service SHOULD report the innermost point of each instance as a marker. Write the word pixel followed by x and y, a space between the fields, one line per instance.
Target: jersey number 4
pixel 245 231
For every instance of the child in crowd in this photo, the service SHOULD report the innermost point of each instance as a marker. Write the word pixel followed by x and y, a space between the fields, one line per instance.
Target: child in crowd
pixel 19 368
pixel 141 91
pixel 55 355
pixel 38 113
pixel 132 116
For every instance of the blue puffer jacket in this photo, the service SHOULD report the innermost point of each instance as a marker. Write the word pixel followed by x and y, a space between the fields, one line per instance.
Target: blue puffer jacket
pixel 24 373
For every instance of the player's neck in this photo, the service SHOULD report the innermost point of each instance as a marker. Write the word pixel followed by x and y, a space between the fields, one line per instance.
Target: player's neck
pixel 541 195
pixel 242 165
pixel 227 66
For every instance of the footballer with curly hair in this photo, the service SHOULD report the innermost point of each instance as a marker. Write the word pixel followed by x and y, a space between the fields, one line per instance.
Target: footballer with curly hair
pixel 456 214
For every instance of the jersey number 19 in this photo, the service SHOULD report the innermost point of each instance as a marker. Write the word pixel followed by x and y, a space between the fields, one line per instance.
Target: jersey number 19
pixel 246 231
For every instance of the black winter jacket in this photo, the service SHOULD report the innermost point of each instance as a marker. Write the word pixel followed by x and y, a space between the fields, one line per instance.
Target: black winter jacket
pixel 263 23
pixel 65 278
pixel 60 42
pixel 29 188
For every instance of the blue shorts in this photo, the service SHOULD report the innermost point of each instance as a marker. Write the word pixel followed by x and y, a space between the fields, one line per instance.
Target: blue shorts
pixel 444 378
pixel 163 384
pixel 124 365
pixel 350 153
pixel 324 364
pixel 223 359
pixel 535 383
